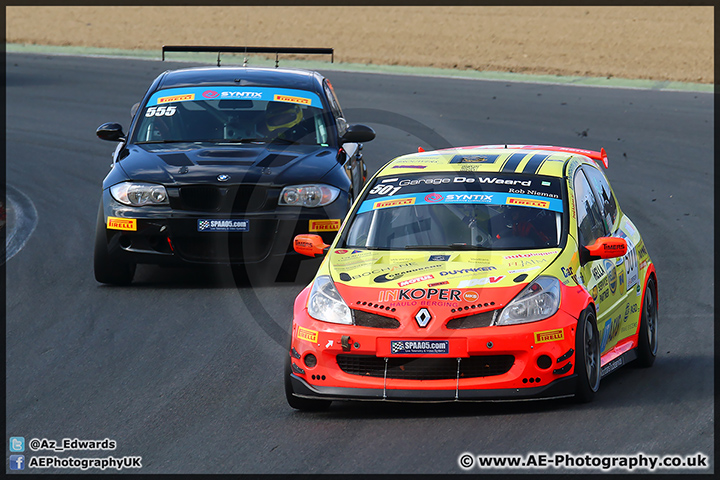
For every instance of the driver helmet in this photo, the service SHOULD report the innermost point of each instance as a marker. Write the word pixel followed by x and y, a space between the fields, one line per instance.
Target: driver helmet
pixel 282 115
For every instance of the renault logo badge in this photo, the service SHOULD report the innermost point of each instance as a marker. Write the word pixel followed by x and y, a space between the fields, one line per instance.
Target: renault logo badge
pixel 223 178
pixel 423 317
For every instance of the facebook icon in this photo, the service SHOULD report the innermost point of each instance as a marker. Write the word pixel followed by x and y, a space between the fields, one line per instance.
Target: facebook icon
pixel 17 462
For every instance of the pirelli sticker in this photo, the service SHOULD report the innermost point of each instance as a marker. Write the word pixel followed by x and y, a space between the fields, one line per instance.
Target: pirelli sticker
pixel 549 336
pixel 287 98
pixel 176 98
pixel 526 202
pixel 394 203
pixel 115 223
pixel 307 334
pixel 332 225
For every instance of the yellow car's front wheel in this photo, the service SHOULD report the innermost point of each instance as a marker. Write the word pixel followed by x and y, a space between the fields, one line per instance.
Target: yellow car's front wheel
pixel 587 356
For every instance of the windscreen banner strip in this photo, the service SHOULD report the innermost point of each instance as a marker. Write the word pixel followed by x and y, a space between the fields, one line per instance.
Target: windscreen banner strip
pixel 462 197
pixel 219 92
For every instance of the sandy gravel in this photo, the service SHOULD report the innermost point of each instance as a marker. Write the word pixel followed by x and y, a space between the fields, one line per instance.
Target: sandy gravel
pixel 658 43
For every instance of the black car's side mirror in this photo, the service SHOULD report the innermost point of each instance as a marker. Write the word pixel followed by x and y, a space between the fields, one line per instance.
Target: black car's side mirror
pixel 110 131
pixel 357 134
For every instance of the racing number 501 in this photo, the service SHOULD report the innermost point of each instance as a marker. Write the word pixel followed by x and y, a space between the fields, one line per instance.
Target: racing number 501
pixel 631 265
pixel 388 190
pixel 166 110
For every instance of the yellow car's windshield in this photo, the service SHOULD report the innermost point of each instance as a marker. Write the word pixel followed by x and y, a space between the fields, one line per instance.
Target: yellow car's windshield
pixel 450 211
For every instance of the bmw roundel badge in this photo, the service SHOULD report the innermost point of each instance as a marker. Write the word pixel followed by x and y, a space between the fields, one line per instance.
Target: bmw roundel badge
pixel 223 178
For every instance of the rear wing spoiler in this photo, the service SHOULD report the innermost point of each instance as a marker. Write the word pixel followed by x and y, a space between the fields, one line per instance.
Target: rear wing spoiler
pixel 600 156
pixel 275 50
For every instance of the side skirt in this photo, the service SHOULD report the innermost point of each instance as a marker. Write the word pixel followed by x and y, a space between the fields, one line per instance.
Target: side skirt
pixel 618 362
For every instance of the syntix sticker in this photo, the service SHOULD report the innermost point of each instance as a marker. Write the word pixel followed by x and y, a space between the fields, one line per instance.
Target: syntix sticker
pixel 115 223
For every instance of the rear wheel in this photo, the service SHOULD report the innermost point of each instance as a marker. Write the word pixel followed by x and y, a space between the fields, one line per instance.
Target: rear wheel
pixel 647 337
pixel 108 269
pixel 587 357
pixel 298 403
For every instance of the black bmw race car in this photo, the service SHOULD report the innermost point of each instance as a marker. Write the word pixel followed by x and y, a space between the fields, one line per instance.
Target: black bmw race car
pixel 225 165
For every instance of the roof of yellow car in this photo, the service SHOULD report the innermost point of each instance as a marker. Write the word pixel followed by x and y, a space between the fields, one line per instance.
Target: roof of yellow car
pixel 527 159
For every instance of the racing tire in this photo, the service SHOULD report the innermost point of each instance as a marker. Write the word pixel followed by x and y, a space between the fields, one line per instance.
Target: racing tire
pixel 304 404
pixel 647 335
pixel 587 357
pixel 107 269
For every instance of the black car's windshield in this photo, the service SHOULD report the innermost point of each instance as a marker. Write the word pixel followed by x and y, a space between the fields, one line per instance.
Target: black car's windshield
pixel 452 211
pixel 223 114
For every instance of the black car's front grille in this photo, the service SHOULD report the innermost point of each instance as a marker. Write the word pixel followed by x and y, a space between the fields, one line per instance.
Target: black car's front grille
pixel 231 199
pixel 241 247
pixel 249 198
pixel 367 319
pixel 477 320
pixel 201 197
pixel 425 368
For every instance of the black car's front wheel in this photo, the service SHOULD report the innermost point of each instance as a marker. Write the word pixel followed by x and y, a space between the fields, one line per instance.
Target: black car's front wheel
pixel 108 269
pixel 587 356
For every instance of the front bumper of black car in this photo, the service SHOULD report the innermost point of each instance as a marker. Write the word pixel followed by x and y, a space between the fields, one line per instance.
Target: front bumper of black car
pixel 165 236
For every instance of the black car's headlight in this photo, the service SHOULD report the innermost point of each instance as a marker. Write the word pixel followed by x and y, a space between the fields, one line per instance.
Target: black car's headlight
pixel 138 194
pixel 326 304
pixel 308 195
pixel 537 301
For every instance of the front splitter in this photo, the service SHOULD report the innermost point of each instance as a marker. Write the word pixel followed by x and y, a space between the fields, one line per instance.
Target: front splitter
pixel 560 388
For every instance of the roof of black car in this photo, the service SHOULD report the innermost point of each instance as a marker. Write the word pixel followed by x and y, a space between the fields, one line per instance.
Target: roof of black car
pixel 252 76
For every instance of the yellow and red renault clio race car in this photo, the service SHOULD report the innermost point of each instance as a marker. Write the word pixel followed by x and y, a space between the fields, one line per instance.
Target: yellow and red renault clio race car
pixel 475 273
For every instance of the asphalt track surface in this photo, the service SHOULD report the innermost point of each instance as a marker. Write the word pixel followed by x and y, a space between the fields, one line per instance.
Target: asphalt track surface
pixel 184 367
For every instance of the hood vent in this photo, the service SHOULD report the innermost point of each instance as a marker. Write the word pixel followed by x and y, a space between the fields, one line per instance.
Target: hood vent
pixel 176 159
pixel 276 160
pixel 223 157
pixel 226 162
pixel 228 153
